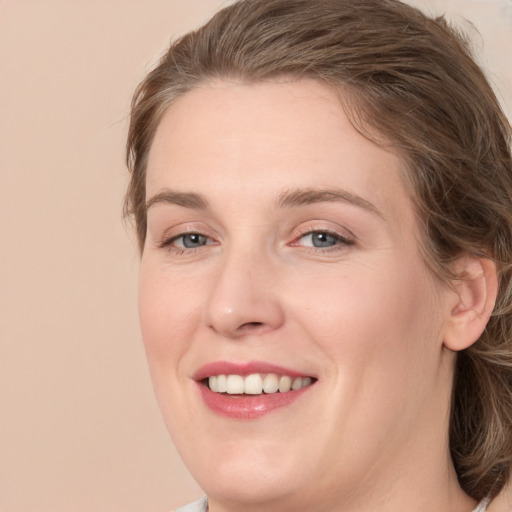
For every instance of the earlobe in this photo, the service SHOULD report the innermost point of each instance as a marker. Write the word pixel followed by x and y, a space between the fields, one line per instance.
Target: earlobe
pixel 473 304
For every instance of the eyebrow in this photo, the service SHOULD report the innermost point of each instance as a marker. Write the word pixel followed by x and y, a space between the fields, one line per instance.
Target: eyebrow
pixel 303 197
pixel 185 199
pixel 287 199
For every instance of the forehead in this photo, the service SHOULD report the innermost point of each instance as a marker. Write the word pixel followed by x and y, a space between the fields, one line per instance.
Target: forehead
pixel 261 138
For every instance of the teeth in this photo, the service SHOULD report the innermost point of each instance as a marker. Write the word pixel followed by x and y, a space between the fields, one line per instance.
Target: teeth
pixel 285 384
pixel 222 383
pixel 256 384
pixel 253 385
pixel 235 385
pixel 270 383
pixel 297 383
pixel 212 383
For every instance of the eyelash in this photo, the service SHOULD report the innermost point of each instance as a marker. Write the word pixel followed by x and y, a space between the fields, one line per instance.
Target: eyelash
pixel 168 243
pixel 341 242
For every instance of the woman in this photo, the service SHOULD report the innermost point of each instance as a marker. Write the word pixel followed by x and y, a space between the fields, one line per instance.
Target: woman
pixel 322 191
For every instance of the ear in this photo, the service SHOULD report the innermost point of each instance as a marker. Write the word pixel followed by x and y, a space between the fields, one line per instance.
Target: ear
pixel 473 301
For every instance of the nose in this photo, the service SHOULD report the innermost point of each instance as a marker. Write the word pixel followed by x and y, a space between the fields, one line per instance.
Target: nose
pixel 244 297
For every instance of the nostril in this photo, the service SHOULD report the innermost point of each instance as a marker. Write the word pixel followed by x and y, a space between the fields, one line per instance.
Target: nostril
pixel 251 326
pixel 232 315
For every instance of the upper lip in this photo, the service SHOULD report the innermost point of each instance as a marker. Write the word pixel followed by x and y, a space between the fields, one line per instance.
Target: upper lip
pixel 244 368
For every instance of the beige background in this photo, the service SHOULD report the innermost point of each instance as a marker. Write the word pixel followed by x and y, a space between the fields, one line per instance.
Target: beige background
pixel 79 427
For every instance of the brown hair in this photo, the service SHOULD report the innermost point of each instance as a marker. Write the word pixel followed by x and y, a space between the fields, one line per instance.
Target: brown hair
pixel 409 82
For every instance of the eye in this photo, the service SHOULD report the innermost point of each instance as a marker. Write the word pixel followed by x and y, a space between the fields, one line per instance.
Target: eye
pixel 322 240
pixel 187 241
pixel 190 240
pixel 319 239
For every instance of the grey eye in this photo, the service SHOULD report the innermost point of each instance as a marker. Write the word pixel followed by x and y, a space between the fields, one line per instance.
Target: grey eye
pixel 320 239
pixel 323 240
pixel 191 241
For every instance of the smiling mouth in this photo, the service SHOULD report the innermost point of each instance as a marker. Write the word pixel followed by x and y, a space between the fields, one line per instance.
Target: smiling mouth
pixel 256 383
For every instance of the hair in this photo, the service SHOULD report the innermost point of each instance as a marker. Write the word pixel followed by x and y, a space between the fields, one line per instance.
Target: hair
pixel 407 82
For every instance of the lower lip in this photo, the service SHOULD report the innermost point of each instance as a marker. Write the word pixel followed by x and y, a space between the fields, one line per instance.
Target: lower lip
pixel 247 407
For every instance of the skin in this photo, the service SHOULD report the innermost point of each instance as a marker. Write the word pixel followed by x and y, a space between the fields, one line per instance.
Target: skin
pixel 365 316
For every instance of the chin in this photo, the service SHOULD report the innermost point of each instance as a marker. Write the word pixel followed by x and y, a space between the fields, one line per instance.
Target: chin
pixel 250 486
pixel 250 472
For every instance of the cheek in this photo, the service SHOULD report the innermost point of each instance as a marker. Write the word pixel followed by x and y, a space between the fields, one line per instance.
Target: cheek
pixel 378 333
pixel 367 319
pixel 167 311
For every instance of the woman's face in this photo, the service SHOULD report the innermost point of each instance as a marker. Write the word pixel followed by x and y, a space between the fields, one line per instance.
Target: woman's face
pixel 282 250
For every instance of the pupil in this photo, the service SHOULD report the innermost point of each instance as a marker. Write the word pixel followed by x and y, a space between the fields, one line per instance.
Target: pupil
pixel 193 240
pixel 323 240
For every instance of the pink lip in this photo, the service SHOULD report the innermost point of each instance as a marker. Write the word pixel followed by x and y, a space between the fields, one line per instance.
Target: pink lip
pixel 244 406
pixel 229 368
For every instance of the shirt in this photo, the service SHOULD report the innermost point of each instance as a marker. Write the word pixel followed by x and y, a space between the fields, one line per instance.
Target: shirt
pixel 201 505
